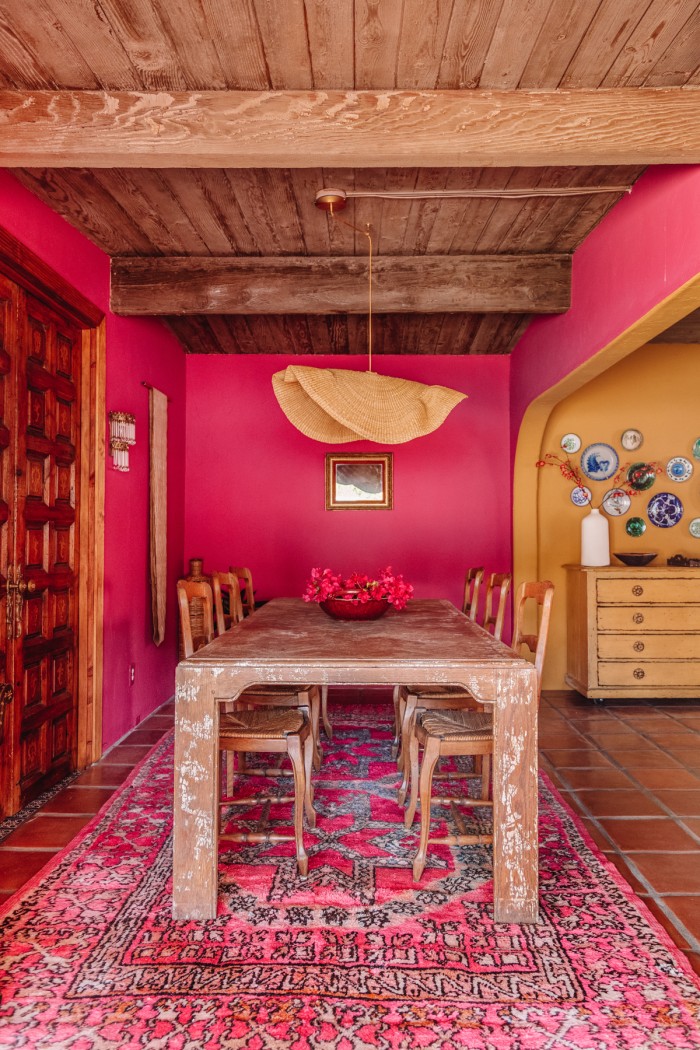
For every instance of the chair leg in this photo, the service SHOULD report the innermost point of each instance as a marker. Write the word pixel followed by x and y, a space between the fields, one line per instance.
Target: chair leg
pixel 485 776
pixel 413 759
pixel 409 713
pixel 327 727
pixel 314 706
pixel 397 722
pixel 308 787
pixel 294 749
pixel 431 753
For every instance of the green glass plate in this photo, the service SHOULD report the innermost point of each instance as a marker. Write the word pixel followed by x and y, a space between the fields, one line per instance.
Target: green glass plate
pixel 641 476
pixel 636 527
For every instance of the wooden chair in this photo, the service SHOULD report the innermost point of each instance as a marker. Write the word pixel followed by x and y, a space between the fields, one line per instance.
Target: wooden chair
pixel 467 732
pixel 497 587
pixel 285 731
pixel 472 586
pixel 245 578
pixel 226 583
pixel 285 726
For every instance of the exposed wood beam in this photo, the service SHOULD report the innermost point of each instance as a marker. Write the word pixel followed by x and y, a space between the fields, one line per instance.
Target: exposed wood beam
pixel 301 129
pixel 329 285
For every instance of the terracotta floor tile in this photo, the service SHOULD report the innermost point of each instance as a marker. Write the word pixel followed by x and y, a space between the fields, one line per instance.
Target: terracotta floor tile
pixel 576 758
pixel 651 758
pixel 624 869
pixel 649 834
pixel 680 800
pixel 677 740
pixel 566 739
pixel 685 755
pixel 670 872
pixel 601 840
pixel 666 778
pixel 692 823
pixel 667 922
pixel 595 778
pixel 694 960
pixel 103 774
pixel 143 736
pixel 157 722
pixel 17 867
pixel 78 800
pixel 613 803
pixel 124 755
pixel 688 911
pixel 46 832
pixel 617 741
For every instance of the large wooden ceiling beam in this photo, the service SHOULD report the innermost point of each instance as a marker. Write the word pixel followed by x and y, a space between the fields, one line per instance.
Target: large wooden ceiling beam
pixel 301 129
pixel 330 285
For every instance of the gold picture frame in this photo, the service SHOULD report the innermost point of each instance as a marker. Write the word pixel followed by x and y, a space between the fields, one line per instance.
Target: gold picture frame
pixel 359 481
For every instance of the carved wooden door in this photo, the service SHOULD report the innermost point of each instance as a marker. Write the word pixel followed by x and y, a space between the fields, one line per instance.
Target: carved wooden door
pixel 42 356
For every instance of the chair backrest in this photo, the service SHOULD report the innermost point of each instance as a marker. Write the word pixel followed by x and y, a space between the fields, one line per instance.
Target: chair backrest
pixel 245 579
pixel 194 597
pixel 472 586
pixel 227 581
pixel 497 590
pixel 541 592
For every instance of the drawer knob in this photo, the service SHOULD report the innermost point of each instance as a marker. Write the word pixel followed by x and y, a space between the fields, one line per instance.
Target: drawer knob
pixel 638 672
pixel 638 617
pixel 637 591
pixel 638 647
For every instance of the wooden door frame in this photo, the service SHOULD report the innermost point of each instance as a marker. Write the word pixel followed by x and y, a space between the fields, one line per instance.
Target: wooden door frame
pixel 33 275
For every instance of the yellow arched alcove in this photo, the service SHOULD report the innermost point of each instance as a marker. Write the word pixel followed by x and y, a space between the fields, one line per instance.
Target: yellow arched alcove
pixel 655 391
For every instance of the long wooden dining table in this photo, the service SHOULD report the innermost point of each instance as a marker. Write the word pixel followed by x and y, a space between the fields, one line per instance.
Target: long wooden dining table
pixel 292 641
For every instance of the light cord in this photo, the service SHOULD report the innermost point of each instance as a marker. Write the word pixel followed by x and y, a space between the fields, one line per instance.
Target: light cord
pixel 368 235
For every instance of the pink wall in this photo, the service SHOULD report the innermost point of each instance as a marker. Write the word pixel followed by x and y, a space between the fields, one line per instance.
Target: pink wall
pixel 255 485
pixel 137 350
pixel 644 249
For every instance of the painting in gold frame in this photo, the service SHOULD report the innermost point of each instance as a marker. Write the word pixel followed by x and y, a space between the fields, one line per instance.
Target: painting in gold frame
pixel 359 481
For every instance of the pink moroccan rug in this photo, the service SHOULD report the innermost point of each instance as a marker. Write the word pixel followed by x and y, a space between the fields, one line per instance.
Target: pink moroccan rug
pixel 354 957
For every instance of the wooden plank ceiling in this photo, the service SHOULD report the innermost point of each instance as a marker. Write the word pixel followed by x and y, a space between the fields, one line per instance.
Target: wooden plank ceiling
pixel 212 225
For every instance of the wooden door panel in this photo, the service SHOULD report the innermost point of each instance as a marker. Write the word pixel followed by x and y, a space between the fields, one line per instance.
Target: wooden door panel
pixel 8 326
pixel 47 539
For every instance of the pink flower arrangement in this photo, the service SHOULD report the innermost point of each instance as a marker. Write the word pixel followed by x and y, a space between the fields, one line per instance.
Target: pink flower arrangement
pixel 358 588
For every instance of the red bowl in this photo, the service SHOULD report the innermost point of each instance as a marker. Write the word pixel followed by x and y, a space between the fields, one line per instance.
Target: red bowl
pixel 342 609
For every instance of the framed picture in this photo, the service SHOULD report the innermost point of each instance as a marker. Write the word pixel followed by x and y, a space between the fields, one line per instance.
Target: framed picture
pixel 359 481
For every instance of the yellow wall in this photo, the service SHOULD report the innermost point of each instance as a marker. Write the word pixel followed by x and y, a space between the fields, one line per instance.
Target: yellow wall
pixel 657 391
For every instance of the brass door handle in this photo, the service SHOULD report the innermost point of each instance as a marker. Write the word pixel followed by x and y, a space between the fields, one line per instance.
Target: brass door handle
pixel 16 589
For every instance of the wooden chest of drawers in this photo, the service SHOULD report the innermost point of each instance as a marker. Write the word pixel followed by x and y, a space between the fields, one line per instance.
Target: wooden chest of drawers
pixel 633 632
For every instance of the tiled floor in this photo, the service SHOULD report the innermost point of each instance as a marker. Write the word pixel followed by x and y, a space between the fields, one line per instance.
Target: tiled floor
pixel 630 769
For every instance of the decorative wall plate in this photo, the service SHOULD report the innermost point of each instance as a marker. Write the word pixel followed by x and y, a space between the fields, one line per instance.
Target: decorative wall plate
pixel 679 468
pixel 631 440
pixel 696 449
pixel 581 496
pixel 641 476
pixel 616 502
pixel 694 528
pixel 665 510
pixel 599 462
pixel 635 527
pixel 570 442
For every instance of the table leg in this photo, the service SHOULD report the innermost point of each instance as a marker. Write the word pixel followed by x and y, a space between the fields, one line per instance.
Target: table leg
pixel 196 796
pixel 515 876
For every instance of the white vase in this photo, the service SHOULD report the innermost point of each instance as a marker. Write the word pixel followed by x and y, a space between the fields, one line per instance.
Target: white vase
pixel 595 539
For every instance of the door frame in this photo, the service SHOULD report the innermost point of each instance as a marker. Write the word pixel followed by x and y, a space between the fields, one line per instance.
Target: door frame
pixel 33 275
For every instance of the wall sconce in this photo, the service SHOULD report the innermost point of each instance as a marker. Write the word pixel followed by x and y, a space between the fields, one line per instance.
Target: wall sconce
pixel 122 433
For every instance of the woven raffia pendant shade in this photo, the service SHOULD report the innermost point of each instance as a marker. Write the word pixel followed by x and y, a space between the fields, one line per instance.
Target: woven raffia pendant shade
pixel 336 405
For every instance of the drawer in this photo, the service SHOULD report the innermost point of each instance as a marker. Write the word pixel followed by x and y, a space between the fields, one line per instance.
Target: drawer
pixel 649 646
pixel 641 589
pixel 640 619
pixel 662 673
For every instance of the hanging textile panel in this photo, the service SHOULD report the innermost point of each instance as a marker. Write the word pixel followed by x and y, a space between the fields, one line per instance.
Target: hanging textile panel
pixel 158 505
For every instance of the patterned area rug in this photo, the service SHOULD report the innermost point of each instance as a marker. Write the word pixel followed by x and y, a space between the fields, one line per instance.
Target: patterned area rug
pixel 355 956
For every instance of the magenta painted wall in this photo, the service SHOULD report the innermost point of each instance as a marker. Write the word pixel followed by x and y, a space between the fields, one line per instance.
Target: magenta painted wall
pixel 255 485
pixel 137 350
pixel 644 249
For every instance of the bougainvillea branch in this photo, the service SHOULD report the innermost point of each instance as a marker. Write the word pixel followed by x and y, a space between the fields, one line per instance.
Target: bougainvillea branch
pixel 358 588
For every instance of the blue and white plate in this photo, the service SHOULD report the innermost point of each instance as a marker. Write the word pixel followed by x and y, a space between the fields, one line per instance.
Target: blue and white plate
pixel 599 462
pixel 581 496
pixel 679 468
pixel 664 510
pixel 696 449
pixel 694 528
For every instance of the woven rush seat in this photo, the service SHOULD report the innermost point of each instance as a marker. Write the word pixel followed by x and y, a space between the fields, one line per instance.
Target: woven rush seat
pixel 262 724
pixel 458 725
